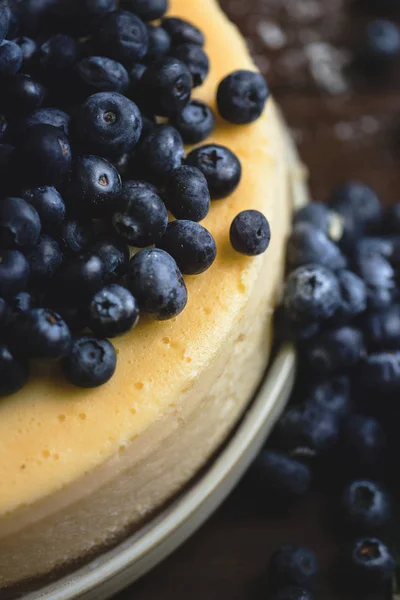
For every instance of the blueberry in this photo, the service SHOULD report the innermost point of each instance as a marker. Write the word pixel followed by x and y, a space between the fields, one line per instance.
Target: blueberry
pixel 48 203
pixel 323 218
pixel 59 52
pixel 73 313
pixel 292 593
pixel 159 43
pixel 14 272
pixel 241 97
pixel 44 259
pixel 29 51
pixel 371 562
pixel 80 276
pixel 23 95
pixel 91 362
pixel 382 329
pixel 102 74
pixel 191 245
pixel 311 294
pixel 76 235
pixel 4 309
pixel 140 218
pixel 332 394
pixel 157 284
pixel 391 219
pixel 135 77
pixel 19 224
pixel 44 155
pixel 380 44
pixel 115 257
pixel 187 194
pixel 47 116
pixel 281 475
pixel 289 329
pixel 19 304
pixel 220 166
pixel 195 122
pixel 183 32
pixel 366 506
pixel 334 350
pixel 159 153
pixel 307 426
pixel 108 124
pixel 11 57
pixel 14 372
pixel 91 12
pixel 250 233
pixel 373 266
pixel 353 293
pixel 3 127
pixel 307 244
pixel 293 565
pixel 148 10
pixel 112 311
pixel 363 445
pixel 359 202
pixel 381 371
pixel 122 36
pixel 41 333
pixel 93 185
pixel 166 86
pixel 4 20
pixel 195 59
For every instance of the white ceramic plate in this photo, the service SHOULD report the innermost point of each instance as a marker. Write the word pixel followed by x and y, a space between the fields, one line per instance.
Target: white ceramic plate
pixel 119 567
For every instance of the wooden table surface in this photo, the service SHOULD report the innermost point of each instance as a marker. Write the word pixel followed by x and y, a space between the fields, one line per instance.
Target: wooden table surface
pixel 346 125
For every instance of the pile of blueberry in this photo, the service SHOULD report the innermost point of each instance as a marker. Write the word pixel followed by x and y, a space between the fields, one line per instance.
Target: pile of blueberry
pixel 340 433
pixel 95 109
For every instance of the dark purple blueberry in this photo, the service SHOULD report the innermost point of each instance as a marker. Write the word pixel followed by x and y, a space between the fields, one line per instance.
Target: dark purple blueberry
pixel 182 32
pixel 241 97
pixel 370 563
pixel 19 304
pixel 159 43
pixel 23 95
pixel 11 57
pixel 250 233
pixel 293 565
pixel 93 186
pixel 311 294
pixel 90 363
pixel 14 272
pixel 166 86
pixel 76 235
pixel 191 245
pixel 4 21
pixel 358 202
pixel 14 372
pixel 380 45
pixel 59 52
pixel 382 328
pixel 334 350
pixel 41 333
pixel 135 77
pixel 308 244
pixel 19 224
pixel 44 259
pixel 187 194
pixel 115 256
pixel 322 217
pixel 363 445
pixel 108 124
pixel 353 294
pixel 44 155
pixel 121 35
pixel 157 284
pixel 159 153
pixel 196 60
pixel 29 49
pixel 46 116
pixel 220 166
pixel 332 394
pixel 80 276
pixel 49 204
pixel 140 218
pixel 195 122
pixel 112 311
pixel 366 506
pixel 371 263
pixel 381 372
pixel 148 10
pixel 101 74
pixel 3 127
pixel 281 475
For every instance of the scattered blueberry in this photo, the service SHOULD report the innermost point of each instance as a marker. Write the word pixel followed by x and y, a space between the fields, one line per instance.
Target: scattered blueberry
pixel 195 122
pixel 59 52
pixel 332 394
pixel 166 86
pixel 183 32
pixel 49 205
pixel 191 245
pixel 47 116
pixel 382 328
pixel 334 350
pixel 366 506
pixel 281 475
pixel 80 276
pixel 241 97
pixel 250 233
pixel 148 10
pixel 11 57
pixel 308 244
pixel 19 224
pixel 293 565
pixel 101 74
pixel 159 43
pixel 156 282
pixel 115 257
pixel 196 60
pixel 41 333
pixel 4 21
pixel 159 153
pixel 135 77
pixel 381 371
pixel 76 235
pixel 3 127
pixel 14 371
pixel 363 445
pixel 44 259
pixel 29 51
pixel 359 202
pixel 371 562
pixel 353 294
pixel 140 217
pixel 380 44
pixel 112 311
pixel 14 272
pixel 122 36
pixel 23 95
pixel 90 363
pixel 20 303
pixel 187 194
pixel 322 217
pixel 373 266
pixel 220 166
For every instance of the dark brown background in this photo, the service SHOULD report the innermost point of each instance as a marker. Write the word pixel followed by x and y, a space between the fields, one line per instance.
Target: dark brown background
pixel 346 126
